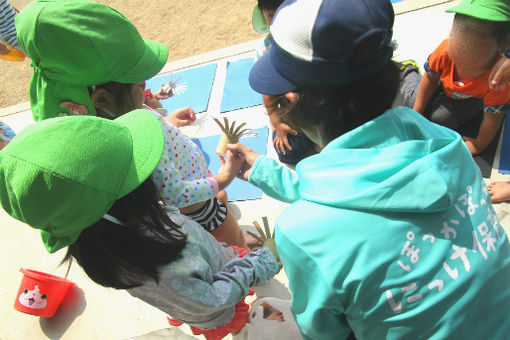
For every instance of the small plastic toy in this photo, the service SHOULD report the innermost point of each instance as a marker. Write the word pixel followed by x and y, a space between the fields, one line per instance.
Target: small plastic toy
pixel 12 53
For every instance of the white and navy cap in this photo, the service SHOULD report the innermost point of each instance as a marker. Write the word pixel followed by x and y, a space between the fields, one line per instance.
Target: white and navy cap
pixel 313 41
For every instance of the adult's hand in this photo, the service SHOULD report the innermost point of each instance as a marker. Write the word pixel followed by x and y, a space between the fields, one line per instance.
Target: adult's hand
pixel 229 168
pixel 249 158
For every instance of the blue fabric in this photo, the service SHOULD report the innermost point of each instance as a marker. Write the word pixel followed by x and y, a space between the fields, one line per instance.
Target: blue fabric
pixel 238 190
pixel 237 93
pixel 195 84
pixel 301 146
pixel 391 235
pixel 7 28
pixel 504 160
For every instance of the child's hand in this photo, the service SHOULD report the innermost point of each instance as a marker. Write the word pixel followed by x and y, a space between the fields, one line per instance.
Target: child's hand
pixel 471 144
pixel 500 74
pixel 182 117
pixel 281 142
pixel 249 157
pixel 229 168
pixel 161 94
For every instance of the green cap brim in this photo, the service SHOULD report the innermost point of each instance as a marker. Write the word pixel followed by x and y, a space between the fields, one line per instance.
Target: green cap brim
pixel 152 61
pixel 489 10
pixel 148 144
pixel 258 21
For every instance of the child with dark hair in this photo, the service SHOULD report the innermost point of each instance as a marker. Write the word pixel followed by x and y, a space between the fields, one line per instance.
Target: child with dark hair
pixel 94 196
pixel 390 233
pixel 454 91
pixel 88 59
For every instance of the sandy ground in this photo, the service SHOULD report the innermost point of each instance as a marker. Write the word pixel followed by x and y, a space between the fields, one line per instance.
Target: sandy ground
pixel 187 27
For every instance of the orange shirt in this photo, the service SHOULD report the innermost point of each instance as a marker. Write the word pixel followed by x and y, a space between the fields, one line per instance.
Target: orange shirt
pixel 439 63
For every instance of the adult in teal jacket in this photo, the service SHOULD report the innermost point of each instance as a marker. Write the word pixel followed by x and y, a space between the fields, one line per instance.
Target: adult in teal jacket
pixel 390 233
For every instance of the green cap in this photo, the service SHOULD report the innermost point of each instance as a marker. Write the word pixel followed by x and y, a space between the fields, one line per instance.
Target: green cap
pixel 491 10
pixel 77 44
pixel 63 174
pixel 258 21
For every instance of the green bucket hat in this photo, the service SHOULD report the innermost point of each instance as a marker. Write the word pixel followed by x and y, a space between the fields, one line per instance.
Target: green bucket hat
pixel 77 44
pixel 63 174
pixel 491 10
pixel 258 20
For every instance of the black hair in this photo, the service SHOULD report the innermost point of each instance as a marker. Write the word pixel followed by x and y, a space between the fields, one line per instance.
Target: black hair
pixel 270 5
pixel 122 98
pixel 499 30
pixel 343 108
pixel 126 256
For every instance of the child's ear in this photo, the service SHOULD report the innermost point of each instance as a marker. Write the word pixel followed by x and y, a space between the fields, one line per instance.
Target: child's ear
pixel 100 98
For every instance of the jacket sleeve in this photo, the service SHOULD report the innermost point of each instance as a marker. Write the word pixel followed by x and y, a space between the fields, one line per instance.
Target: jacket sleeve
pixel 317 309
pixel 213 300
pixel 276 180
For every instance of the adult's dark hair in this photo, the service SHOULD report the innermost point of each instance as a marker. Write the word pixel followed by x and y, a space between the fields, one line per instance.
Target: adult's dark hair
pixel 343 108
pixel 126 256
pixel 270 5
pixel 499 30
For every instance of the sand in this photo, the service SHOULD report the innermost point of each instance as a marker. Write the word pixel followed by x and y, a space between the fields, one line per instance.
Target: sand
pixel 187 27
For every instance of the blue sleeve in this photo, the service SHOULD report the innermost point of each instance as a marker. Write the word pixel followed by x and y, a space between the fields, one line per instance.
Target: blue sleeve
pixel 276 180
pixel 428 70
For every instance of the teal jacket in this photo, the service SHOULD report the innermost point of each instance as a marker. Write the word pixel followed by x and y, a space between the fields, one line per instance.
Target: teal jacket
pixel 391 235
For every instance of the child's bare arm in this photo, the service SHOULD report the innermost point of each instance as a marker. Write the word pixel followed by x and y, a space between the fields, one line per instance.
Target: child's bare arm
pixel 488 128
pixel 427 86
pixel 281 141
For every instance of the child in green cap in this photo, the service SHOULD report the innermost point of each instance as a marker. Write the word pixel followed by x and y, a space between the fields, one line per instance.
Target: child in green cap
pixel 455 90
pixel 88 59
pixel 110 218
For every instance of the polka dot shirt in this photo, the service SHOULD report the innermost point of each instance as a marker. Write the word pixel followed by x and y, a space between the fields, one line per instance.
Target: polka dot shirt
pixel 182 176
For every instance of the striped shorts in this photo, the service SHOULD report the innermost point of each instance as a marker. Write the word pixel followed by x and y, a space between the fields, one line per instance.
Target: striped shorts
pixel 211 215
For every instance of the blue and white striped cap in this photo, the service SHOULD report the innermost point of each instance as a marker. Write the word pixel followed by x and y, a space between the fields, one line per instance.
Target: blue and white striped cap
pixel 313 41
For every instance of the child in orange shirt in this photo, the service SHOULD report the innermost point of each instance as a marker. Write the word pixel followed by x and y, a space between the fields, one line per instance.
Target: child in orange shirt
pixel 461 65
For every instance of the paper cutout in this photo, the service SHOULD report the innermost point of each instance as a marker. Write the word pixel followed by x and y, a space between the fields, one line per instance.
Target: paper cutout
pixel 238 190
pixel 231 134
pixel 191 87
pixel 237 93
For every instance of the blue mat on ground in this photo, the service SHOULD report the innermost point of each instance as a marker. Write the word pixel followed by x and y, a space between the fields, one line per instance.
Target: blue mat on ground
pixel 237 93
pixel 238 190
pixel 504 154
pixel 193 87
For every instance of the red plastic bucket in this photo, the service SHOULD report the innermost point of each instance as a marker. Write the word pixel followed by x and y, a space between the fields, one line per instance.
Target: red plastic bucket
pixel 40 293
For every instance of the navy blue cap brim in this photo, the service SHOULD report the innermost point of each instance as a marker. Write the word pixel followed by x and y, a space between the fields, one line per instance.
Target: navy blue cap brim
pixel 265 79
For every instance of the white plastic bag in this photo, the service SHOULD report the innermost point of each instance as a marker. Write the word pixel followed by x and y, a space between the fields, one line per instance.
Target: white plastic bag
pixel 258 328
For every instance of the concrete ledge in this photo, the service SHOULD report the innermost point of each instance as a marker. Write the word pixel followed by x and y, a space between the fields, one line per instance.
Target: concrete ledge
pixel 10 110
pixel 412 5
